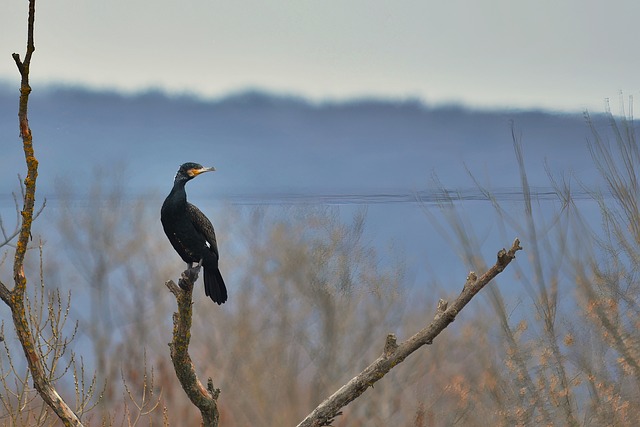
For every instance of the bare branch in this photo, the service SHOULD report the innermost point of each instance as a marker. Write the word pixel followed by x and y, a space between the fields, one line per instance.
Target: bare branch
pixel 205 399
pixel 394 354
pixel 15 298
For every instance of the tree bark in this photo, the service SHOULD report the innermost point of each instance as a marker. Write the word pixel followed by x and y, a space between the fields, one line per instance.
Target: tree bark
pixel 205 399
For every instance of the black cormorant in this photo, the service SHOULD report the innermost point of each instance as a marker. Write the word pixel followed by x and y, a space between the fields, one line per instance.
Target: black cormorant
pixel 191 233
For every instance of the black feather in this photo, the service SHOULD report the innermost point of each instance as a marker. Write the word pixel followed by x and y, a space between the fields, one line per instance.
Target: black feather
pixel 191 233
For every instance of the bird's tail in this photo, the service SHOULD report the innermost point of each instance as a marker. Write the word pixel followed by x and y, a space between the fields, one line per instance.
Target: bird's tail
pixel 214 286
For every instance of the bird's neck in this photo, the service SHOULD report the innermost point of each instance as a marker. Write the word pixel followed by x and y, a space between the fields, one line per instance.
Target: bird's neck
pixel 178 194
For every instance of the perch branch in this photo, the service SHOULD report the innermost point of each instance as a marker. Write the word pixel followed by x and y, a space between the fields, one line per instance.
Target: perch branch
pixel 204 398
pixel 394 353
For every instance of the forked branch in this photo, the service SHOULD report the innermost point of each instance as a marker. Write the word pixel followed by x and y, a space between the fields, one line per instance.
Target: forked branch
pixel 394 353
pixel 205 399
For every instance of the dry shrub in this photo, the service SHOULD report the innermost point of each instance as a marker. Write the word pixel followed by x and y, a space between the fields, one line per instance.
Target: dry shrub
pixel 571 354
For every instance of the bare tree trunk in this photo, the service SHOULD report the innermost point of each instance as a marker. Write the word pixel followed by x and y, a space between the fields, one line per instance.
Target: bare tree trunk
pixel 394 354
pixel 15 298
pixel 205 399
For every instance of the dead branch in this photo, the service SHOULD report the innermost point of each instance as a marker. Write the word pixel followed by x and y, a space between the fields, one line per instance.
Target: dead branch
pixel 393 353
pixel 15 298
pixel 205 399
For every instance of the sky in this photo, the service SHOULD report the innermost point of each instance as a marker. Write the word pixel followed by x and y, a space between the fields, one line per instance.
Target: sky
pixel 567 55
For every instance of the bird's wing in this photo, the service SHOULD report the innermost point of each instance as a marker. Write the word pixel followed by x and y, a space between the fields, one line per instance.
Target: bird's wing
pixel 203 226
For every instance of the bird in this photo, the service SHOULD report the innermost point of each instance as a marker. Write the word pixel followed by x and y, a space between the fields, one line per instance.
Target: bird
pixel 191 233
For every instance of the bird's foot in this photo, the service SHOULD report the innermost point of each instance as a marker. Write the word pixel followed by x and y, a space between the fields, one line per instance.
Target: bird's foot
pixel 189 276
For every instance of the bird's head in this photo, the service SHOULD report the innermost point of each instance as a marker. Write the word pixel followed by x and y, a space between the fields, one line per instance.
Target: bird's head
pixel 190 170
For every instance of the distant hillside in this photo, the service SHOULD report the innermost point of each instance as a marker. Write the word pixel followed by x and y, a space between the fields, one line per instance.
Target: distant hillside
pixel 277 150
pixel 262 142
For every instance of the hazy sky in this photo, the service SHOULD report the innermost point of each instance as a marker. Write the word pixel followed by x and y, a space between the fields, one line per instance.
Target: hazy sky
pixel 560 54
